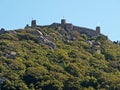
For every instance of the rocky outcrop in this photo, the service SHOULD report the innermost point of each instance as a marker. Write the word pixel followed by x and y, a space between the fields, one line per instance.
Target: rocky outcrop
pixel 2 80
pixel 11 55
pixel 2 31
pixel 42 38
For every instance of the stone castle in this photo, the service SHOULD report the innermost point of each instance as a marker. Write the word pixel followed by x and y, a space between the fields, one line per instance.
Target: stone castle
pixel 66 26
pixel 69 26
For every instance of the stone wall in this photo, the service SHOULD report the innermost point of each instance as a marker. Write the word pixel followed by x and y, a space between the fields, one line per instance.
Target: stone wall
pixel 69 26
pixel 89 32
pixel 82 30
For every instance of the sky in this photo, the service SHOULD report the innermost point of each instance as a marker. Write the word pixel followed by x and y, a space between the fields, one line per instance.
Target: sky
pixel 15 14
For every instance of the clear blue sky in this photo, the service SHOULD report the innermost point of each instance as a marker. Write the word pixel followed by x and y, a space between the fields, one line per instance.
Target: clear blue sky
pixel 16 14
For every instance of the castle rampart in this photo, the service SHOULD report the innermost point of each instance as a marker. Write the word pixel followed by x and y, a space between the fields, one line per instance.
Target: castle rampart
pixel 69 26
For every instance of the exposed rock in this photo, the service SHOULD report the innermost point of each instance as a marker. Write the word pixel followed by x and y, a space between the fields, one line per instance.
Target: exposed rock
pixel 44 40
pixel 2 80
pixel 2 31
pixel 40 39
pixel 37 33
pixel 90 42
pixel 12 55
pixel 51 44
pixel 11 32
pixel 27 26
pixel 96 43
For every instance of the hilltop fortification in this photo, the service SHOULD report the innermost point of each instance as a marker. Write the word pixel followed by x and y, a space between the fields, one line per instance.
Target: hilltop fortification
pixel 69 26
pixel 64 26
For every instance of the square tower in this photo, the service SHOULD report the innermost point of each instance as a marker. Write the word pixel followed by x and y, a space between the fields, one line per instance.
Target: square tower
pixel 98 29
pixel 33 23
pixel 63 22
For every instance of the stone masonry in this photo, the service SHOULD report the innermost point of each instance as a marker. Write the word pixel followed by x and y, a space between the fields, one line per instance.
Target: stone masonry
pixel 69 26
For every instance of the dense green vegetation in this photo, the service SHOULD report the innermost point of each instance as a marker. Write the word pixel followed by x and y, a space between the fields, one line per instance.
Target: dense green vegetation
pixel 68 61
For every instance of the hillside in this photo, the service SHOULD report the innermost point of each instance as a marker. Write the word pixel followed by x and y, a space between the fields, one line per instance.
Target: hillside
pixel 58 57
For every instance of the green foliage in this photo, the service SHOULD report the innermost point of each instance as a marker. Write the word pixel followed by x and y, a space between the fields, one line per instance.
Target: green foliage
pixel 73 70
pixel 8 37
pixel 90 81
pixel 14 85
pixel 27 63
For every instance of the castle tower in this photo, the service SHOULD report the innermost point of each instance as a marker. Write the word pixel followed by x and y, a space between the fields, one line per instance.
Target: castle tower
pixel 98 29
pixel 63 22
pixel 33 23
